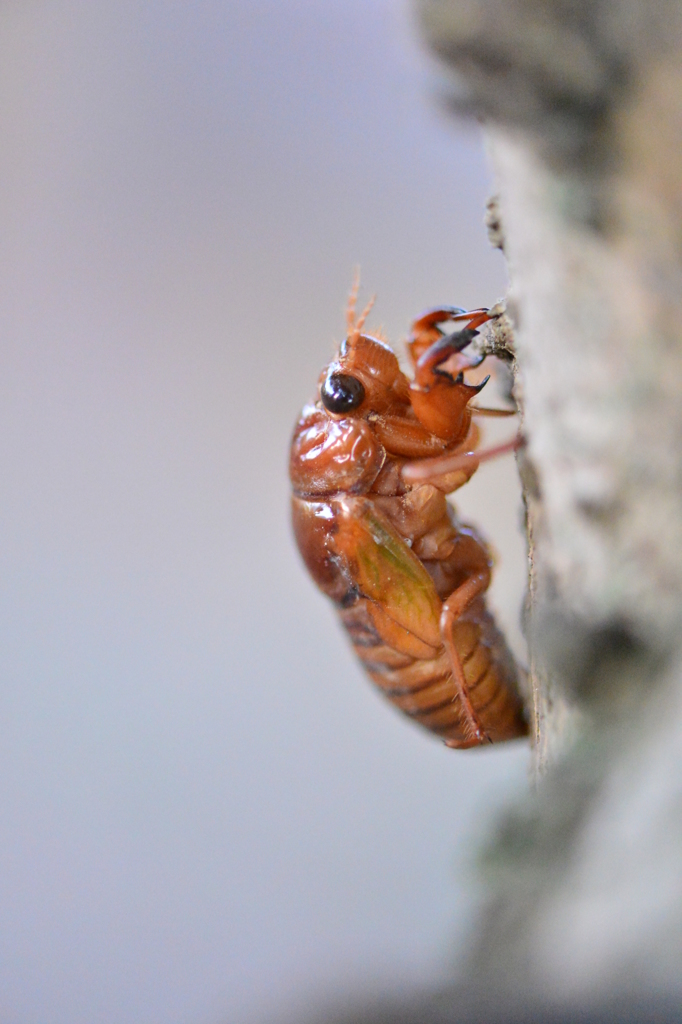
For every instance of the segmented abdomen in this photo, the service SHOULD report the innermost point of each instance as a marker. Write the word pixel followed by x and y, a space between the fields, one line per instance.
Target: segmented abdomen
pixel 388 563
pixel 424 687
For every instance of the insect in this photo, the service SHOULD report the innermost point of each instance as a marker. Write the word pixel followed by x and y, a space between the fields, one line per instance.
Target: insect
pixel 371 463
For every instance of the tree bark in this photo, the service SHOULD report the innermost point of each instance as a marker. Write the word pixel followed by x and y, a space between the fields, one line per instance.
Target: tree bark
pixel 582 105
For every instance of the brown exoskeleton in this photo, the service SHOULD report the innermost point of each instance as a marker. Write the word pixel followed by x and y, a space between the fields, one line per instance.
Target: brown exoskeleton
pixel 371 463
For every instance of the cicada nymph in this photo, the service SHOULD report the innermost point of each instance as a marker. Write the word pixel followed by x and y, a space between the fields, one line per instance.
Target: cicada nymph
pixel 372 460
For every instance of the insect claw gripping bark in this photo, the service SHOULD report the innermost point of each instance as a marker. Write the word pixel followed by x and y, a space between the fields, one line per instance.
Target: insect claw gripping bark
pixel 372 460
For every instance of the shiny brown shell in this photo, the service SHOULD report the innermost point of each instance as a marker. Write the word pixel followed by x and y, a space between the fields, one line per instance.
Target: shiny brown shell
pixel 407 578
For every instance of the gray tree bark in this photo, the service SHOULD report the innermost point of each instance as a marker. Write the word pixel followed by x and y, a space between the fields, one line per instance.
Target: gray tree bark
pixel 582 105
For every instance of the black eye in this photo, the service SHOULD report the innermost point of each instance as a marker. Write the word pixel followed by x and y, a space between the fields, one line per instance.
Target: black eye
pixel 341 392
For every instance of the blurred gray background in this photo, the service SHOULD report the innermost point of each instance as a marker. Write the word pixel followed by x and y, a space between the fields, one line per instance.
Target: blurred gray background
pixel 206 813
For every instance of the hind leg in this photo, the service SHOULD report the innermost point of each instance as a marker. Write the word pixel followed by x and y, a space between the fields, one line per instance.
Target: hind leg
pixel 453 608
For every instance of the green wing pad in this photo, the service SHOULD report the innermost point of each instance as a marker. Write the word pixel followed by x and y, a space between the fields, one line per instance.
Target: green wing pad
pixel 385 569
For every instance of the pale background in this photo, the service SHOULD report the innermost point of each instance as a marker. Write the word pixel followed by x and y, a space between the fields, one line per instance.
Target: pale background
pixel 206 814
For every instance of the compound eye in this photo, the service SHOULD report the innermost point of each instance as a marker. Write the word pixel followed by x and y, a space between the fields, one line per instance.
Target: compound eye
pixel 341 392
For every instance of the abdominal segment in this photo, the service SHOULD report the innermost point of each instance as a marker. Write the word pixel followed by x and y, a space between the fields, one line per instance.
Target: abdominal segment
pixel 422 683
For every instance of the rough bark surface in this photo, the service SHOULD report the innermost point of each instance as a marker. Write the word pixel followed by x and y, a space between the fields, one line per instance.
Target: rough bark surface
pixel 582 103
